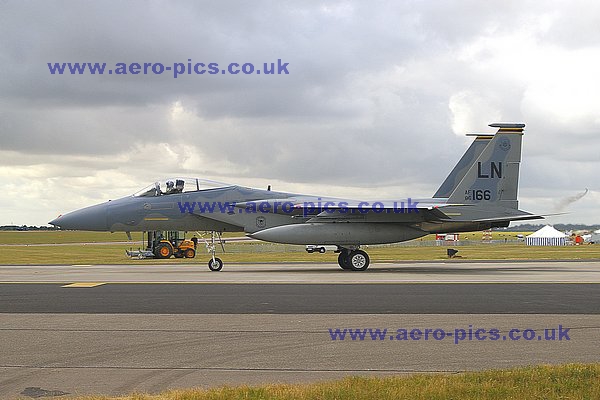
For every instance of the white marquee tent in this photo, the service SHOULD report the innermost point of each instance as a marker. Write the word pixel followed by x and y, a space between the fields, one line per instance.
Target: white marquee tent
pixel 546 236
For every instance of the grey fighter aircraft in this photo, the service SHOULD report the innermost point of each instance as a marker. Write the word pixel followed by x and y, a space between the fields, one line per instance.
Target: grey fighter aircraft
pixel 478 194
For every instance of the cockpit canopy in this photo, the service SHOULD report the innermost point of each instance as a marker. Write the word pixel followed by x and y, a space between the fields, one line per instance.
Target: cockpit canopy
pixel 170 186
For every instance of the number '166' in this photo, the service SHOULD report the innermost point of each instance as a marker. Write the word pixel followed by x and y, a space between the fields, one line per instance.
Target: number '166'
pixel 482 194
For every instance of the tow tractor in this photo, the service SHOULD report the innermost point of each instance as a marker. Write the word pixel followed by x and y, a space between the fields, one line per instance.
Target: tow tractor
pixel 173 243
pixel 164 245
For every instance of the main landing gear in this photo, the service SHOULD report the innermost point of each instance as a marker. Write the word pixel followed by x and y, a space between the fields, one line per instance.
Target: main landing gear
pixel 353 260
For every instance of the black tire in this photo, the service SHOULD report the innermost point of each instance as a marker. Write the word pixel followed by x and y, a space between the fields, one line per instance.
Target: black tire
pixel 358 260
pixel 322 250
pixel 163 250
pixel 217 265
pixel 189 253
pixel 343 260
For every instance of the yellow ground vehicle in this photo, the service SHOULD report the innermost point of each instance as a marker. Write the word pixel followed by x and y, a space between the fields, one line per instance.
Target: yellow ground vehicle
pixel 173 244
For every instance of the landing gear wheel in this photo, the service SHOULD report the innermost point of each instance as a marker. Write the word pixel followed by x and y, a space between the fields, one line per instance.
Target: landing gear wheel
pixel 322 250
pixel 190 253
pixel 343 260
pixel 358 260
pixel 215 264
pixel 163 250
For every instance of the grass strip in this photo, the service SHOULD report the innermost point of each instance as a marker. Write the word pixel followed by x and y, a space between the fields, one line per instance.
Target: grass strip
pixel 570 381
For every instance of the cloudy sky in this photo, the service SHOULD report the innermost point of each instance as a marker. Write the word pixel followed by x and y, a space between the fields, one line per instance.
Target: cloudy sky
pixel 377 101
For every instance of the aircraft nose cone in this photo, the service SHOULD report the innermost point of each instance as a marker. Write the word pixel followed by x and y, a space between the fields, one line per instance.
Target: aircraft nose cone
pixel 92 218
pixel 55 221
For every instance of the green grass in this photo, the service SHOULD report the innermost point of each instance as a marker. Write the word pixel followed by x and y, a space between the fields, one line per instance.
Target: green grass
pixel 40 237
pixel 53 237
pixel 71 251
pixel 265 253
pixel 487 252
pixel 572 381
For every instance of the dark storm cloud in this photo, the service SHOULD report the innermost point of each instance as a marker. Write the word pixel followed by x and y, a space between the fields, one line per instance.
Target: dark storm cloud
pixel 321 47
pixel 324 45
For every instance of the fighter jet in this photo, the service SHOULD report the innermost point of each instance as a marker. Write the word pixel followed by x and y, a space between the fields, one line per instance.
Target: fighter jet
pixel 479 193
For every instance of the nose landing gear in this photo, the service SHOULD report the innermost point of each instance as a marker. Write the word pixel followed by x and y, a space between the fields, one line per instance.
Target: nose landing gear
pixel 215 263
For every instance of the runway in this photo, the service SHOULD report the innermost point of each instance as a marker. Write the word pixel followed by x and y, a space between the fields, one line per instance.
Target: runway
pixel 450 271
pixel 202 298
pixel 117 329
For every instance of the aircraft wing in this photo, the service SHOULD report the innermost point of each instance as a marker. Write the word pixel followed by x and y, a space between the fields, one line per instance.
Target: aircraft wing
pixel 322 209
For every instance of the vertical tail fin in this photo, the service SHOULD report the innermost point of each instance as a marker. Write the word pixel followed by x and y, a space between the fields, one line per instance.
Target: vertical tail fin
pixel 493 177
pixel 462 167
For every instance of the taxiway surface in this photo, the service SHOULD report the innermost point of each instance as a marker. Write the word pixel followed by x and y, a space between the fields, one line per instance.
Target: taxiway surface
pixel 117 329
